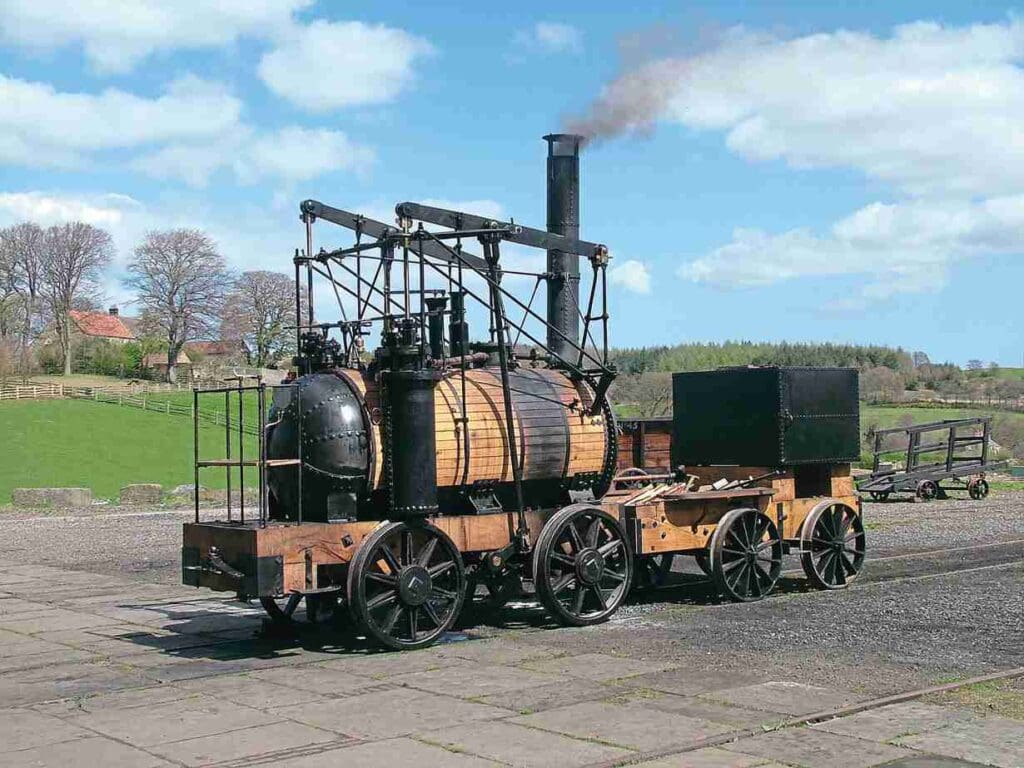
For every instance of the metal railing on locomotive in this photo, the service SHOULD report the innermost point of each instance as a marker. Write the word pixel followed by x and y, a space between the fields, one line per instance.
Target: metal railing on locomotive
pixel 385 272
pixel 240 462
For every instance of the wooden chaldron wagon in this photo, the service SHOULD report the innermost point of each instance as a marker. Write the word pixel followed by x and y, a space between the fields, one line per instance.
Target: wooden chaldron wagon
pixel 394 483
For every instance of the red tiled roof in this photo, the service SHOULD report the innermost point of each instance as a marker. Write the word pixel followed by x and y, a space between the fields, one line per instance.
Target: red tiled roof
pixel 100 324
pixel 213 347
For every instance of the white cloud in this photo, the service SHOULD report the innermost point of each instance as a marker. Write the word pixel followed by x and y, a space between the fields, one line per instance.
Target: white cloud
pixel 40 125
pixel 291 154
pixel 551 37
pixel 632 275
pixel 935 112
pixel 897 247
pixel 116 36
pixel 45 209
pixel 328 65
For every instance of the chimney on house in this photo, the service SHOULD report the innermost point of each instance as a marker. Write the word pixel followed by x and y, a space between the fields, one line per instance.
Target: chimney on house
pixel 114 311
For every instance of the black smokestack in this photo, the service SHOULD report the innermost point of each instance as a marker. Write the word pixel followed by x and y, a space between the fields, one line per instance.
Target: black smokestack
pixel 563 219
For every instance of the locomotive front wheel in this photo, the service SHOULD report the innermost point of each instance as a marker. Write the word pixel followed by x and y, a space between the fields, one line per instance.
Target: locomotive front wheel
pixel 406 585
pixel 978 489
pixel 832 545
pixel 746 555
pixel 582 565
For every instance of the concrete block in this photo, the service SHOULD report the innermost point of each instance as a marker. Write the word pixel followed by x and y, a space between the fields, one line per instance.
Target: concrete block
pixel 51 497
pixel 91 751
pixel 142 494
pixel 808 747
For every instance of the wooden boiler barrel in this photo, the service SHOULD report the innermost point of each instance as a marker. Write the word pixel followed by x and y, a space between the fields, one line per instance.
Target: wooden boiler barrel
pixel 556 436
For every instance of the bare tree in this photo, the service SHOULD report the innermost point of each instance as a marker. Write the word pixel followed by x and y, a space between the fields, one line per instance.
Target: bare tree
pixel 180 279
pixel 650 393
pixel 260 311
pixel 75 255
pixel 23 253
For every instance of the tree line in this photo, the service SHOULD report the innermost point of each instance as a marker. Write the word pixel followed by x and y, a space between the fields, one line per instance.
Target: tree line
pixel 183 289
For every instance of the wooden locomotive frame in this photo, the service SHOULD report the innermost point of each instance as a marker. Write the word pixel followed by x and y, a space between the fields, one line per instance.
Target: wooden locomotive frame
pixel 397 485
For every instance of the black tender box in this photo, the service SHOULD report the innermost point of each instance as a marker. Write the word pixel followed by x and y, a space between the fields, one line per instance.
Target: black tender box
pixel 765 417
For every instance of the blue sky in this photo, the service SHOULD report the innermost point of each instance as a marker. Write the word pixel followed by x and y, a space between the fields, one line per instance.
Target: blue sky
pixel 802 171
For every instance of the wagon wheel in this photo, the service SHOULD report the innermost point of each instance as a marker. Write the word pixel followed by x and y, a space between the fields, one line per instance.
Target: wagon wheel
pixel 927 490
pixel 653 570
pixel 320 608
pixel 978 488
pixel 703 562
pixel 631 477
pixel 746 555
pixel 582 565
pixel 832 545
pixel 880 495
pixel 406 585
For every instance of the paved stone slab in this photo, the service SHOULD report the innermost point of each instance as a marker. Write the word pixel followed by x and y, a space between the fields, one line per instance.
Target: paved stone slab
pixel 385 714
pixel 382 665
pixel 317 679
pixel 594 666
pixel 95 751
pixel 519 746
pixel 499 651
pixel 39 684
pixel 813 749
pixel 709 757
pixel 471 680
pixel 629 726
pixel 264 744
pixel 932 762
pixel 886 723
pixel 552 696
pixel 24 729
pixel 193 717
pixel 51 619
pixel 393 753
pixel 990 740
pixel 247 689
pixel 690 706
pixel 61 655
pixel 693 680
pixel 105 702
pixel 788 698
pixel 12 605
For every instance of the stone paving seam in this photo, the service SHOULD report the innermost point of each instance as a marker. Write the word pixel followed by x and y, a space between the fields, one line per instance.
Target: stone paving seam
pixel 726 738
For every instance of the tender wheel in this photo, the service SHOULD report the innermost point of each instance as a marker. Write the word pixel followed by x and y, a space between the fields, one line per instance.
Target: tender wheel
pixel 320 608
pixel 880 495
pixel 582 565
pixel 653 570
pixel 832 545
pixel 746 555
pixel 927 490
pixel 406 585
pixel 978 488
pixel 703 562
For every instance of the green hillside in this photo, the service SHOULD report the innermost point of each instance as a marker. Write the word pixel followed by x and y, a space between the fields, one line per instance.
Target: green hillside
pixel 103 447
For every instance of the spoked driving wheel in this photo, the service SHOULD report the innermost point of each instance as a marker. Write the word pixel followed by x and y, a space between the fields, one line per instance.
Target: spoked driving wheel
pixel 406 584
pixel 582 565
pixel 832 545
pixel 977 488
pixel 746 555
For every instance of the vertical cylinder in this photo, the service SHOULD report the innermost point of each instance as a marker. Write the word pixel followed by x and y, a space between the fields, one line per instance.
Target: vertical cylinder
pixel 458 328
pixel 411 447
pixel 563 219
pixel 435 325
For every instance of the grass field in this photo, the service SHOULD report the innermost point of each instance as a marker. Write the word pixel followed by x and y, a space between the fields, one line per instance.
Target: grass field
pixel 104 447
